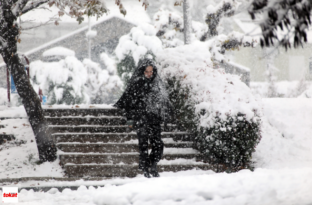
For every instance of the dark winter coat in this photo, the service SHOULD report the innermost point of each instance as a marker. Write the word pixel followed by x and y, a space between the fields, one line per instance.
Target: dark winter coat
pixel 145 101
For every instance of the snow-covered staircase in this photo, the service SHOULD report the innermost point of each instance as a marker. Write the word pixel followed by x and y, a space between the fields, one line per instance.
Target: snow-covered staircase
pixel 98 143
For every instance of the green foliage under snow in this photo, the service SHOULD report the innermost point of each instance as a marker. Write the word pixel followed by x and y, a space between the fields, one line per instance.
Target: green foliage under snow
pixel 230 142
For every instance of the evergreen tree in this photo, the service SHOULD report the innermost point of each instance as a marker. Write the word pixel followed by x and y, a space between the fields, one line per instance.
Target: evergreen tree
pixel 127 65
pixel 293 16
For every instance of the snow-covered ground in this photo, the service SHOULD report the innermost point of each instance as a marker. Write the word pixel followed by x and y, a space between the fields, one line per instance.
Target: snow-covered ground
pixel 263 187
pixel 283 173
pixel 284 89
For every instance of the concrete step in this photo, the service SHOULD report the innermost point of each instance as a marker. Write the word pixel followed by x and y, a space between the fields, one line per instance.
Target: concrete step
pixel 53 112
pixel 97 142
pixel 112 147
pixel 99 128
pixel 116 158
pixel 109 170
pixel 107 120
pixel 114 137
pixel 90 129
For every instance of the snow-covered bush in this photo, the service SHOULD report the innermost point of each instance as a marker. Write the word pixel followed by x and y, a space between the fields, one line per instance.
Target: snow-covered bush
pixel 141 42
pixel 217 107
pixel 101 86
pixel 169 27
pixel 63 81
pixel 71 81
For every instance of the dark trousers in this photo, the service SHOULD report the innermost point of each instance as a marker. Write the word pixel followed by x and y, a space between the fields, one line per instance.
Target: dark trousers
pixel 151 133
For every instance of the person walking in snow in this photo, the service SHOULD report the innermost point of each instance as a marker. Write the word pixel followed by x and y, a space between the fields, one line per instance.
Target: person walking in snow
pixel 146 102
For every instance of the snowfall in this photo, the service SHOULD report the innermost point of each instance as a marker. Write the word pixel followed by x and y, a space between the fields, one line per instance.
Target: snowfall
pixel 282 160
pixel 283 173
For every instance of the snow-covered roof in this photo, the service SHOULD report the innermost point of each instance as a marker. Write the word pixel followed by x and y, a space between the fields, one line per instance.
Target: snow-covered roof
pixel 136 14
pixel 58 51
pixel 85 28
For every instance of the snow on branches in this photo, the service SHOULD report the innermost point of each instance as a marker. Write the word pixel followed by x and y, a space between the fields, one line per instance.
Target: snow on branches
pixel 70 81
pixel 232 41
pixel 225 8
pixel 169 26
pixel 290 15
pixel 122 9
pixel 138 42
pixel 78 8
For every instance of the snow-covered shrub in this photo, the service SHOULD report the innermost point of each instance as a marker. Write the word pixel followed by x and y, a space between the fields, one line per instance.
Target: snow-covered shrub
pixel 140 43
pixel 184 112
pixel 125 68
pixel 169 27
pixel 63 81
pixel 71 81
pixel 216 106
pixel 109 62
pixel 101 86
pixel 231 141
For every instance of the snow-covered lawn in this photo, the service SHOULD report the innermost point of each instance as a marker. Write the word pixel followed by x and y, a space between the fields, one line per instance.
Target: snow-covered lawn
pixel 283 173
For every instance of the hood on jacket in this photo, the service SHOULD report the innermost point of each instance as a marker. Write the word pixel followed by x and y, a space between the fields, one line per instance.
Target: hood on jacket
pixel 143 64
pixel 145 96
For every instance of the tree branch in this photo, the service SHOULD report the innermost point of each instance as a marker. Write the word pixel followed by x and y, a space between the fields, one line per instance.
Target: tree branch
pixel 277 14
pixel 34 5
pixel 55 18
pixel 18 7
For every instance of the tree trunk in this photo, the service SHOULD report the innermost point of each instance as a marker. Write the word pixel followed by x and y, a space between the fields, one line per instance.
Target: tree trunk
pixel 32 104
pixel 187 21
pixel 9 32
